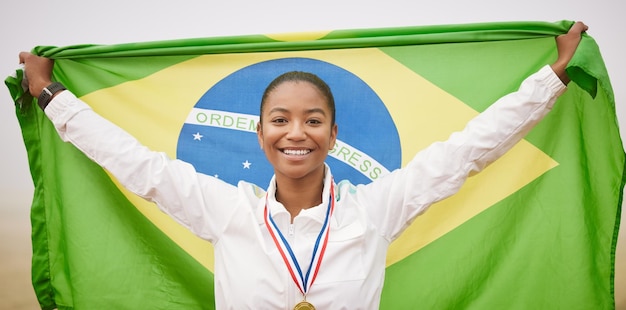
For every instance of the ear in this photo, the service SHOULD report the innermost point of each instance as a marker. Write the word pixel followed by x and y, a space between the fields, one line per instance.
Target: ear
pixel 259 134
pixel 333 137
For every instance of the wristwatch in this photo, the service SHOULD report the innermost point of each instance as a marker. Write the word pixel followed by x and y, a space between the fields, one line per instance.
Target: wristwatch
pixel 48 92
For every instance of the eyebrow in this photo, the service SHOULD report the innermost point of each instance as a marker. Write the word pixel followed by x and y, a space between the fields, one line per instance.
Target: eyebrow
pixel 309 111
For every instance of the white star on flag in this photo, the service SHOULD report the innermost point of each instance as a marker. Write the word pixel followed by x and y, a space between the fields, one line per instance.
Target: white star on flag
pixel 197 136
pixel 246 164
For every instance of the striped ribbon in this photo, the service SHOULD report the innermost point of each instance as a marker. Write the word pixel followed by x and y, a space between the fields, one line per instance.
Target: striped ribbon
pixel 302 281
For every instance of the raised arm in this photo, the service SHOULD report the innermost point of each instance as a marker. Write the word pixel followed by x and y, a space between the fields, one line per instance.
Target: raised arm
pixel 440 170
pixel 195 200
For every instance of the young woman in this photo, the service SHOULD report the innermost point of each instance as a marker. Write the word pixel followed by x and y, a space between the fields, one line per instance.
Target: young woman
pixel 305 241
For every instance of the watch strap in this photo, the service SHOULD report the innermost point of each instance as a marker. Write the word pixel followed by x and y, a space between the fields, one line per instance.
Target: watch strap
pixel 48 92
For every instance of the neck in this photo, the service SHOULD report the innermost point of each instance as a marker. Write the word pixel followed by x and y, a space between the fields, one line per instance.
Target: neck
pixel 299 194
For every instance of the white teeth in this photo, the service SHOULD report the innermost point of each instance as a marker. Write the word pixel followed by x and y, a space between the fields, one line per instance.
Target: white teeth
pixel 296 152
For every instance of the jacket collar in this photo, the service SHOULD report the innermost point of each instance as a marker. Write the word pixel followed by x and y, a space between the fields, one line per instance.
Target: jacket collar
pixel 282 216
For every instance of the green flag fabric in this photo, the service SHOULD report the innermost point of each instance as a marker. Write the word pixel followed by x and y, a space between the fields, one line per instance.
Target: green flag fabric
pixel 536 230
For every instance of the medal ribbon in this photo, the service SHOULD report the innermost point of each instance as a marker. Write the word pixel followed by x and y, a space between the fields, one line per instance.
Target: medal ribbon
pixel 303 282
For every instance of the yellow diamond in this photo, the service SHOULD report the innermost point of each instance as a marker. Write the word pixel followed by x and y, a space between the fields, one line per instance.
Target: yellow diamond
pixel 422 112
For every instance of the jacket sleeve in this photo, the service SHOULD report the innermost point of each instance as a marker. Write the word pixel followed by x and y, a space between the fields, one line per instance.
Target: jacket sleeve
pixel 440 170
pixel 199 202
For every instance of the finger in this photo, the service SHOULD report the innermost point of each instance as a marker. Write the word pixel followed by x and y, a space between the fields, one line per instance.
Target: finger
pixel 22 57
pixel 25 56
pixel 579 27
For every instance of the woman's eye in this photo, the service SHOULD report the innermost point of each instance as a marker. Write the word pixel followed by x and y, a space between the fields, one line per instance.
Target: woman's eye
pixel 279 120
pixel 314 121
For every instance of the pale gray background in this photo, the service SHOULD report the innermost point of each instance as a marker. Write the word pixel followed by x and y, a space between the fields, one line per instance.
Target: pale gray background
pixel 24 25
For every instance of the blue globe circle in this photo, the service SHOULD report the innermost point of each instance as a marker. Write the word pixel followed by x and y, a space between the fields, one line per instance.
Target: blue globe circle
pixel 228 147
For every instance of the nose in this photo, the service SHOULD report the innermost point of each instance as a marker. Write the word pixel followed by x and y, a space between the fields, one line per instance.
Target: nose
pixel 296 131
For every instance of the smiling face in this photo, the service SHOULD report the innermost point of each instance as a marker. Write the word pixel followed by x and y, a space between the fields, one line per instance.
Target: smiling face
pixel 297 130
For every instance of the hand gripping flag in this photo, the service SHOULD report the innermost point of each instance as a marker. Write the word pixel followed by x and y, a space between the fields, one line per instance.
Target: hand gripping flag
pixel 536 230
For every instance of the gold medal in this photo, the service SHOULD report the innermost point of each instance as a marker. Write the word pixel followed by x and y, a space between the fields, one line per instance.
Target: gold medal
pixel 304 305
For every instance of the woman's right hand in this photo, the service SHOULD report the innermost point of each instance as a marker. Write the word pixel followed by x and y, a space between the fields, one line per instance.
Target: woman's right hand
pixel 38 72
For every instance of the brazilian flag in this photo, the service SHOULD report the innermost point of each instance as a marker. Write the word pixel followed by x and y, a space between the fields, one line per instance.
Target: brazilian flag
pixel 536 230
